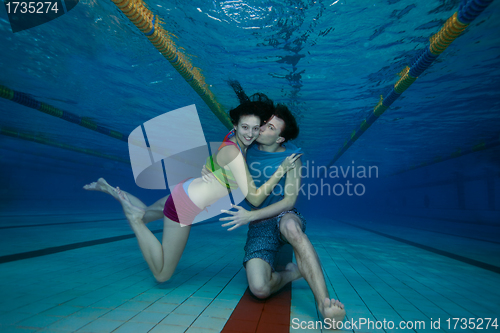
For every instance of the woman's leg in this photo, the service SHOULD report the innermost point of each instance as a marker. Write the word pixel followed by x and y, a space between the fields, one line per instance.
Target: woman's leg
pixel 162 258
pixel 152 213
pixel 155 211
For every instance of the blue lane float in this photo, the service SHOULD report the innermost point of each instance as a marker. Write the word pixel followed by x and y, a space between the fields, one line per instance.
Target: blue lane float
pixel 468 11
pixel 29 101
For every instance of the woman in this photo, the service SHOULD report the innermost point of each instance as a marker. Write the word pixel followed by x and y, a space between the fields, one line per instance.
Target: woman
pixel 193 195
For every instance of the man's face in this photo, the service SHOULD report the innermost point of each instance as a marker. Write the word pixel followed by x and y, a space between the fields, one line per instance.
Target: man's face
pixel 270 131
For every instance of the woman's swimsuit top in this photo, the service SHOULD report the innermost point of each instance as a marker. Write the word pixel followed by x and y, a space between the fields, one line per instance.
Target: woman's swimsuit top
pixel 225 177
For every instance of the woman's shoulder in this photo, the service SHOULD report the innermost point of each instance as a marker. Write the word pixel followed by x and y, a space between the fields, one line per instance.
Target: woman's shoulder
pixel 228 153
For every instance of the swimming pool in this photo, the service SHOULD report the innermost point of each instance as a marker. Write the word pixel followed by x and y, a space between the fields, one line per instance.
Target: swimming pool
pixel 405 220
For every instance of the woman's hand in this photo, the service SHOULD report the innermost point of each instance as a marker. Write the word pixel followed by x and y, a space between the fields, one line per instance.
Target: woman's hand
pixel 238 218
pixel 289 162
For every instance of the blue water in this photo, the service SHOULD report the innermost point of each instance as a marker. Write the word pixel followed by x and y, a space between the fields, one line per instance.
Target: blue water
pixel 329 61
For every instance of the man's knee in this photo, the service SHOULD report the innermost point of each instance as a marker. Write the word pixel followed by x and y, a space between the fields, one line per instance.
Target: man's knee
pixel 260 289
pixel 291 228
pixel 259 274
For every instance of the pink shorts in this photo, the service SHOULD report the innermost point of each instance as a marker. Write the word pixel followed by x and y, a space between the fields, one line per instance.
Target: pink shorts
pixel 179 207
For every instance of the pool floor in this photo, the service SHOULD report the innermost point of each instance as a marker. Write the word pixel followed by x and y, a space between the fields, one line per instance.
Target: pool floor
pixel 84 273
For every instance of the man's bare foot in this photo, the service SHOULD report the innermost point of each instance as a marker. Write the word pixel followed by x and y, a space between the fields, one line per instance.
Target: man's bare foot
pixel 334 310
pixel 133 213
pixel 293 271
pixel 101 185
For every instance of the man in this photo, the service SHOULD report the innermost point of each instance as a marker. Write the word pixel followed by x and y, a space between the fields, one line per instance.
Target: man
pixel 265 237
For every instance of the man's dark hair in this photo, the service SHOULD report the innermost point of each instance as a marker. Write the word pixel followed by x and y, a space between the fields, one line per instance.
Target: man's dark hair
pixel 291 130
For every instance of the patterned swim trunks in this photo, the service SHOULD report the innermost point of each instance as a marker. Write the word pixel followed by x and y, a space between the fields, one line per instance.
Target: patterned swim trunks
pixel 264 238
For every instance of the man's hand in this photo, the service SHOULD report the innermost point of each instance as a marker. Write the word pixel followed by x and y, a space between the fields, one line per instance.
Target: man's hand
pixel 207 175
pixel 238 218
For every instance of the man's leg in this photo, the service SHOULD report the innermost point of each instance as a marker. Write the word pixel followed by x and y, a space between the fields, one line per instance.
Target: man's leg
pixel 263 282
pixel 310 267
pixel 152 213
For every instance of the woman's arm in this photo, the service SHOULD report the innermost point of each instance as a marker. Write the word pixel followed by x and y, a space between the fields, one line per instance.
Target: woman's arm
pixel 231 158
pixel 242 216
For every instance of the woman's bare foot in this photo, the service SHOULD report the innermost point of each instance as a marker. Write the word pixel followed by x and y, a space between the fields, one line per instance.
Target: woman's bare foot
pixel 334 311
pixel 133 213
pixel 101 185
pixel 293 271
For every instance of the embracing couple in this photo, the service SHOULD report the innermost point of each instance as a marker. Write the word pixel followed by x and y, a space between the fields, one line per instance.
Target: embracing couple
pixel 273 220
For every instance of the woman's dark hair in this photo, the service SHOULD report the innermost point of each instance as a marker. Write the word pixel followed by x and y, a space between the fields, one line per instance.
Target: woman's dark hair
pixel 263 107
pixel 258 105
pixel 291 130
pixel 238 90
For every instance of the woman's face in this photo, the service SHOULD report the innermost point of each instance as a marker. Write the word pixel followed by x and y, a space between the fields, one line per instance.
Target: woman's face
pixel 248 129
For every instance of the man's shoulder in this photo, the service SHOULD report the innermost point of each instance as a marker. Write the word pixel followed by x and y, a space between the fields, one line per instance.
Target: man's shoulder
pixel 255 153
pixel 291 147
